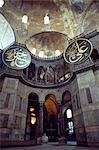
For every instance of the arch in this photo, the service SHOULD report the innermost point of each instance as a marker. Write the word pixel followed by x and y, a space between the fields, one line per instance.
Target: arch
pixel 32 116
pixel 66 97
pixel 69 130
pixel 31 71
pixel 51 104
pixel 59 72
pixel 33 101
pixel 49 74
pixel 50 120
pixel 95 54
pixel 69 113
pixel 33 96
pixel 41 74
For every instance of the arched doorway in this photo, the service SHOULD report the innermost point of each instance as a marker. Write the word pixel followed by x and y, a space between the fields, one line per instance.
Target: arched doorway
pixel 32 117
pixel 69 130
pixel 69 124
pixel 50 119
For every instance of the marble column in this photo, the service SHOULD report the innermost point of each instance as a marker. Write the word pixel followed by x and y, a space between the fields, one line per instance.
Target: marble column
pixel 36 74
pixel 41 119
pixel 59 119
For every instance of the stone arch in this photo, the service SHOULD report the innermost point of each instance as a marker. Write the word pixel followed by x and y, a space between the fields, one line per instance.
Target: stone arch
pixel 49 75
pixel 95 54
pixel 50 120
pixel 41 74
pixel 66 97
pixel 69 130
pixel 59 72
pixel 31 71
pixel 33 96
pixel 32 116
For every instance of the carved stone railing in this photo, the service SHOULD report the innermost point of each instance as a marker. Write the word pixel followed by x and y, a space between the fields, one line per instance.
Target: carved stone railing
pixel 88 64
pixel 44 85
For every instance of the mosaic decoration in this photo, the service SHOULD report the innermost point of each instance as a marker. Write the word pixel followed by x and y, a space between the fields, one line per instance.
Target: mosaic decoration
pixel 17 57
pixel 78 51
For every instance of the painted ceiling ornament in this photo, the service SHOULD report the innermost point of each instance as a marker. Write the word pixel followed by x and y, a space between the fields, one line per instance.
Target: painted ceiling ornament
pixel 78 51
pixel 16 57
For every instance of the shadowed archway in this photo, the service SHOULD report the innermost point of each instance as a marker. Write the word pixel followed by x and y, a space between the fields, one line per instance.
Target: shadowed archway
pixel 32 117
pixel 50 120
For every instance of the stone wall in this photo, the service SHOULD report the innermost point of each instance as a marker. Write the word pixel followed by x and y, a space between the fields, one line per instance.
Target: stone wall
pixel 85 102
pixel 89 99
pixel 14 103
pixel 77 114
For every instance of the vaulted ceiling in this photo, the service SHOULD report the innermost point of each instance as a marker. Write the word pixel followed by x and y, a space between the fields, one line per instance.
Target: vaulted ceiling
pixel 70 17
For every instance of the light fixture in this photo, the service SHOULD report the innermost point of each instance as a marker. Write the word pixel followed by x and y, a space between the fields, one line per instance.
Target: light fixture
pixel 31 109
pixel 1 3
pixel 33 115
pixel 46 19
pixel 33 120
pixel 33 51
pixel 57 52
pixel 67 75
pixel 25 19
pixel 69 113
pixel 41 54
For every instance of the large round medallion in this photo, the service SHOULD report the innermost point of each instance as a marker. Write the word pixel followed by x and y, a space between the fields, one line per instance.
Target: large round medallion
pixel 17 57
pixel 78 51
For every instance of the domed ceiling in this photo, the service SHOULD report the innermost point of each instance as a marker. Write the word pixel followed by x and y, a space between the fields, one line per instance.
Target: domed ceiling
pixel 70 17
pixel 47 44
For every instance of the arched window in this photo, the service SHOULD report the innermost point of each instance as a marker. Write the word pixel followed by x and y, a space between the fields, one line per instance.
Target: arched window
pixel 95 54
pixel 41 74
pixel 32 116
pixel 50 117
pixel 31 71
pixel 70 126
pixel 69 113
pixel 66 97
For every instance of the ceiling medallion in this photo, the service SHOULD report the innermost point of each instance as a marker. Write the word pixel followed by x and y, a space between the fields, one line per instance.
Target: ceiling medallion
pixel 78 51
pixel 16 57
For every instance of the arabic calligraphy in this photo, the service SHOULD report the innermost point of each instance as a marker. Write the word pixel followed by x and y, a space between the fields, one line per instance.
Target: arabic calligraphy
pixel 78 51
pixel 17 58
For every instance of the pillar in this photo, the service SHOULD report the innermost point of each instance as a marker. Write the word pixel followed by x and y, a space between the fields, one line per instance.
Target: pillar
pixel 87 115
pixel 8 97
pixel 41 119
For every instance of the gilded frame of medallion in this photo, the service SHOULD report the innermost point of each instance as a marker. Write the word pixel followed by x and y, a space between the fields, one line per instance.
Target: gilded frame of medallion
pixel 14 47
pixel 81 61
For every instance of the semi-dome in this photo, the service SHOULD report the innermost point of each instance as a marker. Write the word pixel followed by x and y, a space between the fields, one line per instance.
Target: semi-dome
pixel 47 44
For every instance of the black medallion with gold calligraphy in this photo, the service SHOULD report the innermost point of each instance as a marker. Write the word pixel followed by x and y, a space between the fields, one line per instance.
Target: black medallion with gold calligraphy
pixel 78 51
pixel 16 57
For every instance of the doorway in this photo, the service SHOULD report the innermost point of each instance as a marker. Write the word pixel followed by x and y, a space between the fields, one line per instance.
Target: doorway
pixel 69 124
pixel 50 118
pixel 69 130
pixel 32 117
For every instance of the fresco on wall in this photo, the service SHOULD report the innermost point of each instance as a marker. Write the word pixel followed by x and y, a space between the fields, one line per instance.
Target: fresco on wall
pixel 90 17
